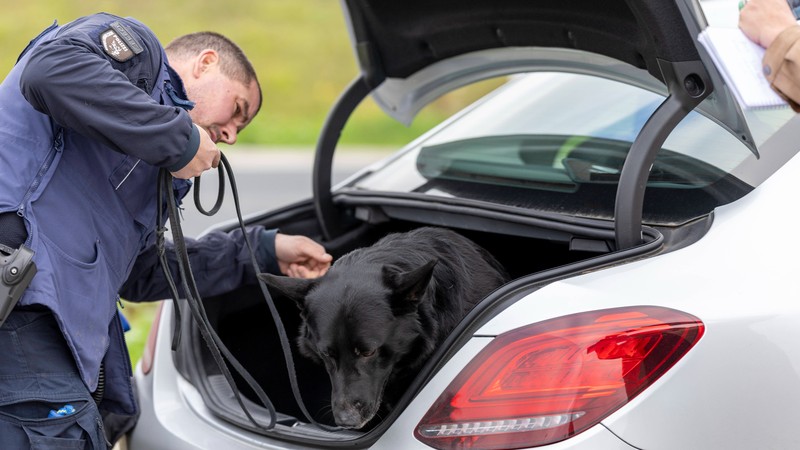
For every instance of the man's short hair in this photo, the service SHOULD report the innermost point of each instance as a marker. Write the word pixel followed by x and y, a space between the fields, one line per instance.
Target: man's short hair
pixel 233 62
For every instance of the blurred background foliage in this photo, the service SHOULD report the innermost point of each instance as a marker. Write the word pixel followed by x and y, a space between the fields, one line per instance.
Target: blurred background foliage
pixel 300 49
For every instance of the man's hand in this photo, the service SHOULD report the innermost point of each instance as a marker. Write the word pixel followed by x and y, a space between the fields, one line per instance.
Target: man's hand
pixel 763 20
pixel 301 257
pixel 207 157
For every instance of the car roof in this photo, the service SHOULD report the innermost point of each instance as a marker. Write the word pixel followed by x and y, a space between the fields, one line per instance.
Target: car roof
pixel 412 51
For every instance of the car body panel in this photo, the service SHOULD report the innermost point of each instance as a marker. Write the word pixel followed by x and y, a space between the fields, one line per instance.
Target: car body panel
pixel 710 294
pixel 747 396
pixel 737 387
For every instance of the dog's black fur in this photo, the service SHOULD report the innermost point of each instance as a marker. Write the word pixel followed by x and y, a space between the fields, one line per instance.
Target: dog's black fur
pixel 380 312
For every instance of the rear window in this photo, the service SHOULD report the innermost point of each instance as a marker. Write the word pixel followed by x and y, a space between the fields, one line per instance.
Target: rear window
pixel 557 142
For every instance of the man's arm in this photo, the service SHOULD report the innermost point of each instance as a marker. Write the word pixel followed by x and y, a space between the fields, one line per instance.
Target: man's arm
pixel 220 262
pixel 74 80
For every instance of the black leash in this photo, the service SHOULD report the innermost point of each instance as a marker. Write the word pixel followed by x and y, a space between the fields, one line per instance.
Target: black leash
pixel 194 301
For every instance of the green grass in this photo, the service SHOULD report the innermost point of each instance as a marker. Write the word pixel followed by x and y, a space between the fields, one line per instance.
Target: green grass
pixel 140 316
pixel 300 49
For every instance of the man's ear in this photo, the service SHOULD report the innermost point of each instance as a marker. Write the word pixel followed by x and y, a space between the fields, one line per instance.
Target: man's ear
pixel 294 288
pixel 407 287
pixel 205 61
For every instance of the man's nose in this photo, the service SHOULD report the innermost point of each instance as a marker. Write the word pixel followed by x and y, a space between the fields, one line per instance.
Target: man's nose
pixel 228 135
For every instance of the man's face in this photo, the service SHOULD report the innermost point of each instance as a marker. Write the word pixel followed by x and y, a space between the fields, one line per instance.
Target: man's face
pixel 222 106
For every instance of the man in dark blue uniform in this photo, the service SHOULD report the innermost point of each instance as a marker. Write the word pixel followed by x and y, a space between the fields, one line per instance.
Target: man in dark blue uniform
pixel 88 115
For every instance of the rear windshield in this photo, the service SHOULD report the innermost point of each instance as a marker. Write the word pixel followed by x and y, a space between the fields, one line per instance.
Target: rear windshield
pixel 557 142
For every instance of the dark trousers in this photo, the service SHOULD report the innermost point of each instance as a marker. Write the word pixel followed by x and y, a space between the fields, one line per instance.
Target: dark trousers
pixel 37 375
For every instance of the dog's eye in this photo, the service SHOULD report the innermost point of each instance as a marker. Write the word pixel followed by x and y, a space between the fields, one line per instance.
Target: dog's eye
pixel 365 353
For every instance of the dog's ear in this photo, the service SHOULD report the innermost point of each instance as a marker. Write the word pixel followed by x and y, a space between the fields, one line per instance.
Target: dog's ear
pixel 294 288
pixel 408 287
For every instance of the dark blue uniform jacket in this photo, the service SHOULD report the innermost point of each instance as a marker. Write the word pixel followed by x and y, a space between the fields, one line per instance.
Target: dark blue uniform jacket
pixel 84 129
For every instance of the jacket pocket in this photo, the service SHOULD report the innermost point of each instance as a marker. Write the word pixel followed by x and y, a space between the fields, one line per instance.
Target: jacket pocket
pixel 89 285
pixel 84 298
pixel 25 424
pixel 88 261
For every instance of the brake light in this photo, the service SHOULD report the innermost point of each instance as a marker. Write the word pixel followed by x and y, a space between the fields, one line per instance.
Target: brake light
pixel 546 382
pixel 150 345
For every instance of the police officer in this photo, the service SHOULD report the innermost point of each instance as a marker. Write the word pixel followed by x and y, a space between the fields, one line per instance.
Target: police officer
pixel 88 115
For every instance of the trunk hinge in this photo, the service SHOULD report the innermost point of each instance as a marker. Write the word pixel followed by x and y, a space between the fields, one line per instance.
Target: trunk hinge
pixel 330 219
pixel 688 85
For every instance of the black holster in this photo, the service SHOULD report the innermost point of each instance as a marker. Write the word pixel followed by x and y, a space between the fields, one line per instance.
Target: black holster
pixel 16 263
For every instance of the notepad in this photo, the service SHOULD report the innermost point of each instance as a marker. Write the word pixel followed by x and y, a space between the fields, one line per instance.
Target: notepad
pixel 739 60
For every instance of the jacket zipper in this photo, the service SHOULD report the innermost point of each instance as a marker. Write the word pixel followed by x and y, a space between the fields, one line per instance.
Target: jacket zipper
pixel 58 144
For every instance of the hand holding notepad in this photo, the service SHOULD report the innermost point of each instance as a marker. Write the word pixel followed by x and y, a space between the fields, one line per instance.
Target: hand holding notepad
pixel 739 60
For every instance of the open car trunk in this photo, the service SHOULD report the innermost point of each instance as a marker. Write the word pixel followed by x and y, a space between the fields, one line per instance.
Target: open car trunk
pixel 410 53
pixel 530 248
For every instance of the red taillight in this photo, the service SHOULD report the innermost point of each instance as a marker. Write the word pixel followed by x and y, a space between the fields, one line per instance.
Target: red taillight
pixel 549 381
pixel 150 345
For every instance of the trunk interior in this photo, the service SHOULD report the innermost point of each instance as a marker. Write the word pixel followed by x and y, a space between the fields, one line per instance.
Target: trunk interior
pixel 243 320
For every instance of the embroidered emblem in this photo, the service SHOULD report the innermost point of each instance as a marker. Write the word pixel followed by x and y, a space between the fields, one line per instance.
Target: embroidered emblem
pixel 119 43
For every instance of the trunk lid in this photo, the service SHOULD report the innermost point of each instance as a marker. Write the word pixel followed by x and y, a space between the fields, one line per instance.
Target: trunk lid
pixel 411 52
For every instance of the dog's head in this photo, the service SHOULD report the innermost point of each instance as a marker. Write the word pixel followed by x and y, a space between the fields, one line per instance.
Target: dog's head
pixel 358 321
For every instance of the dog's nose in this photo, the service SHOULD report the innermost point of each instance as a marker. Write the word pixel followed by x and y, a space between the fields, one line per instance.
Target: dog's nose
pixel 352 412
pixel 348 417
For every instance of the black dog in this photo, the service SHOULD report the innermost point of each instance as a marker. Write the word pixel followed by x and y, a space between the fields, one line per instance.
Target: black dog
pixel 379 313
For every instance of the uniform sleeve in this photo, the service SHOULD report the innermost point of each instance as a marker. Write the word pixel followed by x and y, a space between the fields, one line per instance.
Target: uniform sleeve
pixel 781 66
pixel 73 80
pixel 220 263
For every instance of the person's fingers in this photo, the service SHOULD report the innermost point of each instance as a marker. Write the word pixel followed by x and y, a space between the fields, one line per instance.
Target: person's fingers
pixel 316 251
pixel 308 249
pixel 298 271
pixel 308 270
pixel 321 271
pixel 300 256
pixel 217 157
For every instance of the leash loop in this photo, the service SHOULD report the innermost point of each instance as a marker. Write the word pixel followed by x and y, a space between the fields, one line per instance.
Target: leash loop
pixel 220 189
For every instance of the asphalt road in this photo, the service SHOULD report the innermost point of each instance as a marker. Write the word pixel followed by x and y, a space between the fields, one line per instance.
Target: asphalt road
pixel 266 178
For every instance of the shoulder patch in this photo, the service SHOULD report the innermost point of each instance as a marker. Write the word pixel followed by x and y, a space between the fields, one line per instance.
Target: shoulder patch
pixel 119 43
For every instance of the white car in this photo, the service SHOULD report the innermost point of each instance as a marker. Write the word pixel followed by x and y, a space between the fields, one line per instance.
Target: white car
pixel 655 301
